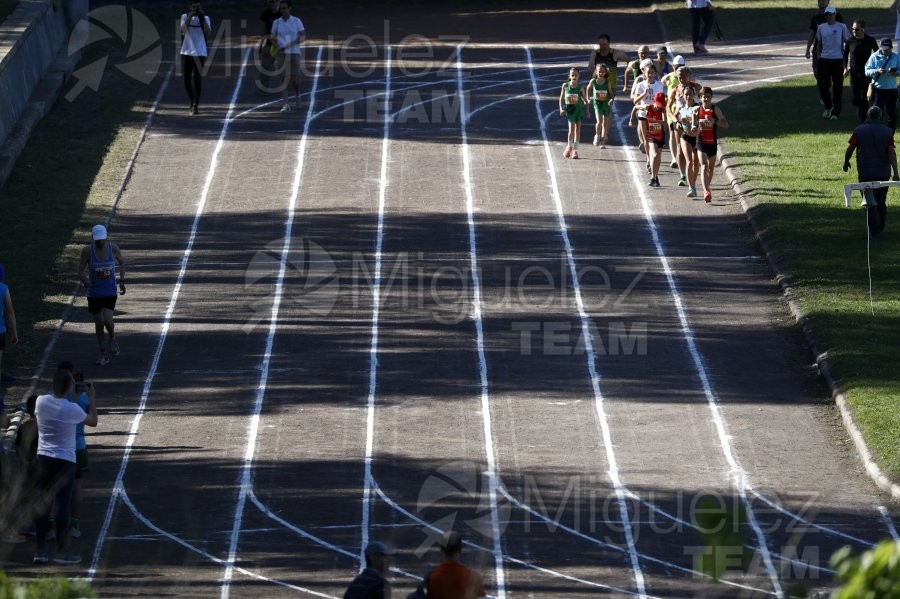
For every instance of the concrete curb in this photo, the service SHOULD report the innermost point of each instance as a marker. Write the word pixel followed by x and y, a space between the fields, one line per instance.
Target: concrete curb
pixel 750 209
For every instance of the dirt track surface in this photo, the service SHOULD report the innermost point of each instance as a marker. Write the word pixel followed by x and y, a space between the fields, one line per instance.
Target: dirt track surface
pixel 425 356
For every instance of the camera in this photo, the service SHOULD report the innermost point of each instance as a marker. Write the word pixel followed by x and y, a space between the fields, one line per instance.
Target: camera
pixel 80 385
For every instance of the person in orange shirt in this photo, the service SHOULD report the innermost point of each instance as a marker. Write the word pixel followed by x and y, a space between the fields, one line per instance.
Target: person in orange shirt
pixel 451 579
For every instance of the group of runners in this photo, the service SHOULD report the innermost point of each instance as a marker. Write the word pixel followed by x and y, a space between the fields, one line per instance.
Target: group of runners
pixel 668 107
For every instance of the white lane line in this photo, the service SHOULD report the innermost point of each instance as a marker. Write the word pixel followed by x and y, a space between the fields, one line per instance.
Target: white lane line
pixel 376 314
pixel 246 479
pixel 804 521
pixel 507 558
pixel 70 302
pixel 489 450
pixel 613 468
pixel 888 522
pixel 167 535
pixel 736 473
pixel 118 485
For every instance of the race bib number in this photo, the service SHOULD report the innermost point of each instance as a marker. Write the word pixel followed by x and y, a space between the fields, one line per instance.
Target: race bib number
pixel 103 274
pixel 600 94
pixel 655 128
pixel 687 122
pixel 706 124
pixel 572 99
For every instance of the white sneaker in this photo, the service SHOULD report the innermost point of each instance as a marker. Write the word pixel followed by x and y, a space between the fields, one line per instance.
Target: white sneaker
pixel 103 360
pixel 286 108
pixel 596 140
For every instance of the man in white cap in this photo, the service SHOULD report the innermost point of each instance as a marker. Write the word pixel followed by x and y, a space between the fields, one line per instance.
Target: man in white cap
pixel 831 38
pixel 97 271
pixel 371 582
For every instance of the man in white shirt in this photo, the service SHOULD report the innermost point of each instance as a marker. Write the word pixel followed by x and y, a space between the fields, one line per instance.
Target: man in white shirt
pixel 195 30
pixel 57 418
pixel 831 37
pixel 287 35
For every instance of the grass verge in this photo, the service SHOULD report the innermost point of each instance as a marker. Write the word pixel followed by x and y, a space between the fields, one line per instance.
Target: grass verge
pixel 790 161
pixel 740 19
pixel 64 181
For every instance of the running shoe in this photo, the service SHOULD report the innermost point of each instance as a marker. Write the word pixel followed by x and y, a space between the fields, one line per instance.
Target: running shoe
pixel 649 168
pixel 674 164
pixel 707 197
pixel 596 140
pixel 833 117
pixel 40 558
pixel 682 182
pixel 286 108
pixel 103 360
pixel 568 152
pixel 13 538
pixel 67 558
pixel 692 192
pixel 75 531
pixel 826 113
pixel 114 347
pixel 575 154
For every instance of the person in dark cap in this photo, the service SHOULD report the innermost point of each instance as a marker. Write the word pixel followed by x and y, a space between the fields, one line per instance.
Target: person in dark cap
pixel 876 158
pixel 371 582
pixel 882 68
pixel 451 579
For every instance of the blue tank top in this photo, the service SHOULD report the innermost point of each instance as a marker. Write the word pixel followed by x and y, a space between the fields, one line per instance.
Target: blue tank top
pixel 3 291
pixel 103 274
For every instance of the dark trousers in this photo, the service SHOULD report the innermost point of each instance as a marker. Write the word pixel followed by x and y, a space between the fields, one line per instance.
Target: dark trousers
pixel 55 479
pixel 859 85
pixel 192 71
pixel 831 83
pixel 698 15
pixel 886 100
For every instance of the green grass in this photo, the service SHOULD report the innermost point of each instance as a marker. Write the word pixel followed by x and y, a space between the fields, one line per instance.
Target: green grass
pixel 741 19
pixel 6 7
pixel 790 160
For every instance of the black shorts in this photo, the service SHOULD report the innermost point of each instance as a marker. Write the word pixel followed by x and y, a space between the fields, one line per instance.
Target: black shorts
pixel 2 341
pixel 691 139
pixel 95 304
pixel 708 149
pixel 81 462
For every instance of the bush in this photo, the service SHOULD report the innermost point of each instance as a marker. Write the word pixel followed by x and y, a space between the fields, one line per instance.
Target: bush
pixel 43 588
pixel 873 575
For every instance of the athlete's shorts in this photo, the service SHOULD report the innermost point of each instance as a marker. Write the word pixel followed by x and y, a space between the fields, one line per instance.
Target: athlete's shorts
pixel 2 341
pixel 575 118
pixel 81 462
pixel 691 139
pixel 658 142
pixel 708 149
pixel 602 108
pixel 96 304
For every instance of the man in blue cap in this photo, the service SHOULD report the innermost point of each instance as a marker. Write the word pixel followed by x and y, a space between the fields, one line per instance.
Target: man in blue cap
pixel 371 583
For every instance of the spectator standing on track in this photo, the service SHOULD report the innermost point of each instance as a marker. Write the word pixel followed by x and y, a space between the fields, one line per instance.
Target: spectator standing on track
pixel 610 57
pixel 701 12
pixel 56 420
pixel 601 92
pixel 857 51
pixel 268 82
pixel 812 46
pixel 83 396
pixel 195 31
pixel 634 68
pixel 573 105
pixel 876 159
pixel 831 37
pixel 7 322
pixel 97 270
pixel 707 119
pixel 371 582
pixel 287 34
pixel 882 67
pixel 451 579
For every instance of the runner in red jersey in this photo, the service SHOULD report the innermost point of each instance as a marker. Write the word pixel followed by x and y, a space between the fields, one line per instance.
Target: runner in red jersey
pixel 707 119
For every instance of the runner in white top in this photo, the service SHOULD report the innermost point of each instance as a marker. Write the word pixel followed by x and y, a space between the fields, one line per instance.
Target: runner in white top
pixel 195 30
pixel 287 35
